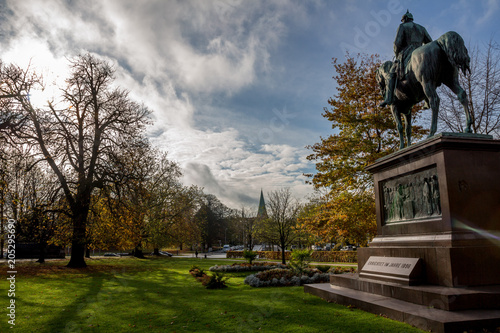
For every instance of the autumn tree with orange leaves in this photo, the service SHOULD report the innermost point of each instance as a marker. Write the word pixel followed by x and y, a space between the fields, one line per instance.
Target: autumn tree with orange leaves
pixel 363 132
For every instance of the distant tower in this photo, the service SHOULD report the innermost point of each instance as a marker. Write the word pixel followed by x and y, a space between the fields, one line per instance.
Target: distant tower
pixel 262 213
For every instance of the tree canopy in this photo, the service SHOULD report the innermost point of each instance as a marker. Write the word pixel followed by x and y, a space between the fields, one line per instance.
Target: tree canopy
pixel 363 132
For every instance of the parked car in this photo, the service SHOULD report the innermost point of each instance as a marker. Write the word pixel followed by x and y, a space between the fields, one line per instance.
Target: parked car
pixel 316 248
pixel 226 248
pixel 328 247
pixel 163 253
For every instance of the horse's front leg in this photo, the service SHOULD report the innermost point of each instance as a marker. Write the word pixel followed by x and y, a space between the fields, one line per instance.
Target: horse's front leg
pixel 433 98
pixel 397 118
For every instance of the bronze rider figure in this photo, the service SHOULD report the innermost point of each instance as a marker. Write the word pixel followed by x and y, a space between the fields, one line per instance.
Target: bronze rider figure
pixel 408 37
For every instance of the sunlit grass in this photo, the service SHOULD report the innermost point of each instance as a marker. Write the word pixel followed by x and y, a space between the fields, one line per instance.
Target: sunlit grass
pixel 159 295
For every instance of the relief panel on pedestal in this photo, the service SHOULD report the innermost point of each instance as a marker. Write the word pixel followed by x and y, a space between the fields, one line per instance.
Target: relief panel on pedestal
pixel 411 197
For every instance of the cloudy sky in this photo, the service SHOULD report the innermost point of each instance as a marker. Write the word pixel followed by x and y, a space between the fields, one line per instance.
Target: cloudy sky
pixel 237 87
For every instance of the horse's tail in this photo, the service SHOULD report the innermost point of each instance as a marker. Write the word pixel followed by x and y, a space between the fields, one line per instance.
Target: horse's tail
pixel 453 45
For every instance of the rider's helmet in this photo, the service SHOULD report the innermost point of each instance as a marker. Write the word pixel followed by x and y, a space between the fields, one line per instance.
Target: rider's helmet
pixel 407 17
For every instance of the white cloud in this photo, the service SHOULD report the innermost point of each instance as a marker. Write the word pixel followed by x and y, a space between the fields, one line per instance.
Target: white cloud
pixel 222 164
pixel 490 11
pixel 173 55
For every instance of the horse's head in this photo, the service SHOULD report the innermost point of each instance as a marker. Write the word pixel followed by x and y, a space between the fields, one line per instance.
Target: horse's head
pixel 382 76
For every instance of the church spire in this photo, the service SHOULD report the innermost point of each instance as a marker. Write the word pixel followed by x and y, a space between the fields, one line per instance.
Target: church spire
pixel 262 213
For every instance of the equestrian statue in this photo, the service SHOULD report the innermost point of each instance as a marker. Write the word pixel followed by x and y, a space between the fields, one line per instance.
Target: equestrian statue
pixel 421 66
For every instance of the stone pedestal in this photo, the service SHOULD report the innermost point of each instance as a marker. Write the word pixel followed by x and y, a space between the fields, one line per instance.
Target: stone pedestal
pixel 440 201
pixel 437 201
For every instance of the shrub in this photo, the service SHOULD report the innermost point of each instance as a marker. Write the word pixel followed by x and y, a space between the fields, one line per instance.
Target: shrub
pixel 196 272
pixel 323 268
pixel 194 267
pixel 341 270
pixel 215 281
pixel 299 260
pixel 250 255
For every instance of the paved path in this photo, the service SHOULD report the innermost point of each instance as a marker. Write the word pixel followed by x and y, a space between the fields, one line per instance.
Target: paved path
pixel 210 255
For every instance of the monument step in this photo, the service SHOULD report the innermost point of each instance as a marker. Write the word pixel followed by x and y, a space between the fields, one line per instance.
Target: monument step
pixel 439 297
pixel 421 316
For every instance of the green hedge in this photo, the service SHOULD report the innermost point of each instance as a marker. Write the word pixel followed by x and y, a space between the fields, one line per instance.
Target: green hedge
pixel 318 256
pixel 273 255
pixel 335 256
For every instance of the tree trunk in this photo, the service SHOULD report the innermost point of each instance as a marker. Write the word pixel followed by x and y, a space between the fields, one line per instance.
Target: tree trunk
pixel 41 257
pixel 77 259
pixel 78 242
pixel 87 252
pixel 249 242
pixel 138 252
pixel 156 251
pixel 283 261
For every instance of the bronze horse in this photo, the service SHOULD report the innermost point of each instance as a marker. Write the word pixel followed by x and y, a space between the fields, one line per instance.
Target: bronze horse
pixel 430 66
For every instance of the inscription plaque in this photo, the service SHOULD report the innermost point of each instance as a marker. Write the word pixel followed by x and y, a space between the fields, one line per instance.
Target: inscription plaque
pixel 393 269
pixel 411 197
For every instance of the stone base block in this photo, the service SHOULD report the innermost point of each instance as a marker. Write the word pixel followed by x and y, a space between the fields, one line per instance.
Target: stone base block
pixel 447 266
pixel 439 297
pixel 421 316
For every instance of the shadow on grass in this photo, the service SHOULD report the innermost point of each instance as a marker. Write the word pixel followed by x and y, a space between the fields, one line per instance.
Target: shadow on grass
pixel 85 295
pixel 160 295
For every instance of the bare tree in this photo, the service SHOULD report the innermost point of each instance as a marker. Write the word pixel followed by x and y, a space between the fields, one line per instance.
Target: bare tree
pixel 283 211
pixel 248 226
pixel 8 118
pixel 81 136
pixel 482 85
pixel 27 195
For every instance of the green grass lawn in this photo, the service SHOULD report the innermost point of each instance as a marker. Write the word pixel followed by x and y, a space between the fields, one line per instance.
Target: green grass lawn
pixel 159 295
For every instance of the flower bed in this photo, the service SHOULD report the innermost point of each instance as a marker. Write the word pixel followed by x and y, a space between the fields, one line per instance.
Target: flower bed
pixel 246 267
pixel 320 256
pixel 280 277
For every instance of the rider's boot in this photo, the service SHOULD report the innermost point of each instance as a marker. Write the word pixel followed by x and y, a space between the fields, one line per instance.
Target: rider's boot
pixel 389 96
